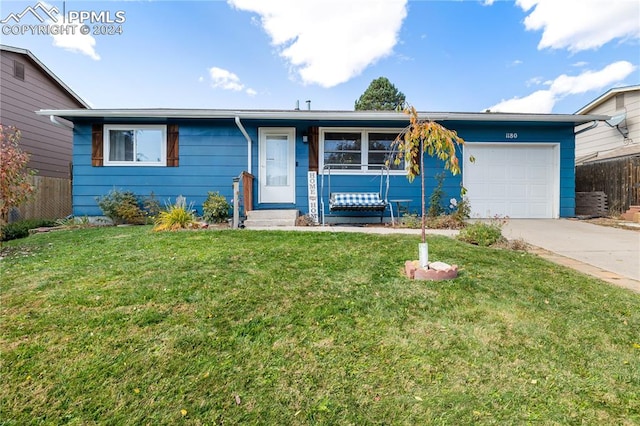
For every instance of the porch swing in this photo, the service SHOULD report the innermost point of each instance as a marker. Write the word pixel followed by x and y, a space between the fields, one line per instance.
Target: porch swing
pixel 356 201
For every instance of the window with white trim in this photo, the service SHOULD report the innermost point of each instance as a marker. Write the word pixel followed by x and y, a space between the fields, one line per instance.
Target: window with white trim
pixel 138 145
pixel 358 150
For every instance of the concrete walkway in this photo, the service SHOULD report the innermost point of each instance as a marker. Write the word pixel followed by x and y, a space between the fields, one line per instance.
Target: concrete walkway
pixel 610 254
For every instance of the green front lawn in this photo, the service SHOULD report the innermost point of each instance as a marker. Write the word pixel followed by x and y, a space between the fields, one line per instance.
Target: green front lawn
pixel 125 326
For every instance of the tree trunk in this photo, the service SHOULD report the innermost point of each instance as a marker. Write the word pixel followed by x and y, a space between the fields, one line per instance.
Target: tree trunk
pixel 424 210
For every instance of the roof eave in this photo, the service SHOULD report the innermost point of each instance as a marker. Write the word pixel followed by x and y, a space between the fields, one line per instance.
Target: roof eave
pixel 606 96
pixel 75 114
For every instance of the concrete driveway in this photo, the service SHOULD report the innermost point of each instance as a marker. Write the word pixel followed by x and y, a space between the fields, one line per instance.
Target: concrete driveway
pixel 611 254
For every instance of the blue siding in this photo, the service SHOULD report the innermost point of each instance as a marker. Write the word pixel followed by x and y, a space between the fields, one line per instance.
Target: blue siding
pixel 213 153
pixel 210 156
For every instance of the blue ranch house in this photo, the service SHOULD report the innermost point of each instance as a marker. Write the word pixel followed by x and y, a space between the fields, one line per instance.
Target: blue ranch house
pixel 524 163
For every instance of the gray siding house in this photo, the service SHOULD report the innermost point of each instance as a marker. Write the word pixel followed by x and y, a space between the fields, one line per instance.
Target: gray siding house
pixel 27 85
pixel 606 141
pixel 608 154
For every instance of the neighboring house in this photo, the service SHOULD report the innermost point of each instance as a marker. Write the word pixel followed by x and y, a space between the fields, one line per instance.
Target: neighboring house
pixel 608 153
pixel 26 86
pixel 617 139
pixel 524 162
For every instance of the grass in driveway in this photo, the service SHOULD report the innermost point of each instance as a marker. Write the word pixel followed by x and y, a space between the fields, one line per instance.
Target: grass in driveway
pixel 126 326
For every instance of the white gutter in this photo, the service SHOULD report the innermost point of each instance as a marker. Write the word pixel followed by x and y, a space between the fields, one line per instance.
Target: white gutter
pixel 593 125
pixel 60 124
pixel 163 114
pixel 246 135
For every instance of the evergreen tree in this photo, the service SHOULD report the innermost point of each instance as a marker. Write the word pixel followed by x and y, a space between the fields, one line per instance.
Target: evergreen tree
pixel 381 95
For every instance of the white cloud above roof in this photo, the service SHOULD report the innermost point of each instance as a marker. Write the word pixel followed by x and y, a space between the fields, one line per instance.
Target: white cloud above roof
pixel 227 80
pixel 578 25
pixel 328 42
pixel 73 41
pixel 79 43
pixel 543 101
pixel 592 80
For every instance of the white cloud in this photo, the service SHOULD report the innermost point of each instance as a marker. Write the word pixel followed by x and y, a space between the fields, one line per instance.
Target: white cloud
pixel 79 43
pixel 581 24
pixel 533 81
pixel 488 2
pixel 543 101
pixel 74 41
pixel 515 63
pixel 580 64
pixel 224 79
pixel 592 80
pixel 327 42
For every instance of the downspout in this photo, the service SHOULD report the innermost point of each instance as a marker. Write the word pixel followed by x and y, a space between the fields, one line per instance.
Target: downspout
pixel 246 135
pixel 593 125
pixel 60 124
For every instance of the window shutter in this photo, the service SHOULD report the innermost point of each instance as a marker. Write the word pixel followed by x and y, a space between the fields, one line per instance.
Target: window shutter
pixel 97 151
pixel 314 144
pixel 172 145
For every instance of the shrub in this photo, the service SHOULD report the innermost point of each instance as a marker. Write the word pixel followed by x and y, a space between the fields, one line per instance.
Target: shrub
pixel 435 200
pixel 215 208
pixel 445 222
pixel 151 206
pixel 122 207
pixel 439 222
pixel 305 220
pixel 15 187
pixel 482 233
pixel 411 220
pixel 15 230
pixel 176 216
pixel 461 210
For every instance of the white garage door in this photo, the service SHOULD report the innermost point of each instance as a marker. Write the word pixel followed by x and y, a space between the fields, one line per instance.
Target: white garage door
pixel 518 181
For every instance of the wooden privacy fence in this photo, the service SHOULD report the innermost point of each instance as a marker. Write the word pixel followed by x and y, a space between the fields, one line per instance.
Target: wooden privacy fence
pixel 591 203
pixel 51 200
pixel 618 178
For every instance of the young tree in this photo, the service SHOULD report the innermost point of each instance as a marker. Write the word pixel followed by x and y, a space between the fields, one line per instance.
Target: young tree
pixel 426 137
pixel 381 95
pixel 15 188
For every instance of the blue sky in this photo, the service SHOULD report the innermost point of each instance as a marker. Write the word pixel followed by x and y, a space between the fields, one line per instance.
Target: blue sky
pixel 520 56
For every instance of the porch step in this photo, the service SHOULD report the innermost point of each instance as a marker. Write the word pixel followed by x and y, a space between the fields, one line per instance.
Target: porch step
pixel 270 218
pixel 633 214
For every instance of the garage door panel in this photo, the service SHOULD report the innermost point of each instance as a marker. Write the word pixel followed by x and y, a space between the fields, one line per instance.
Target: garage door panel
pixel 517 191
pixel 519 181
pixel 517 209
pixel 517 173
pixel 540 192
pixel 499 189
pixel 537 173
pixel 539 210
pixel 497 174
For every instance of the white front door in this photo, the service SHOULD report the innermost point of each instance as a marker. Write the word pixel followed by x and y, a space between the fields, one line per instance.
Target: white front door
pixel 277 165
